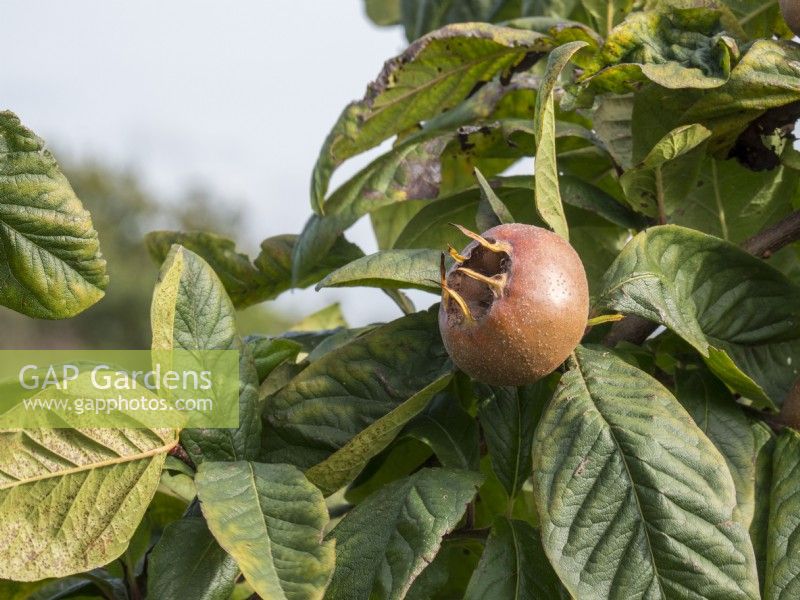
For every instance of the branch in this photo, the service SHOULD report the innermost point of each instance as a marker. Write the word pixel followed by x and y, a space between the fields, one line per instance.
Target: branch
pixel 764 244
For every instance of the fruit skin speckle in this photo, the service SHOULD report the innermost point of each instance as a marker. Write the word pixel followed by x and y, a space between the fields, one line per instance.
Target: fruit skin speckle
pixel 532 325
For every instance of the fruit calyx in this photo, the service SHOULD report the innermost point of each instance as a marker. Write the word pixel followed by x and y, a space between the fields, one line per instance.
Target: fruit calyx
pixel 480 277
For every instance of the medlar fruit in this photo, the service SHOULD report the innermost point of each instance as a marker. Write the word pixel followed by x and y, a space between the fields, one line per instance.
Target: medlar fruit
pixel 791 14
pixel 514 304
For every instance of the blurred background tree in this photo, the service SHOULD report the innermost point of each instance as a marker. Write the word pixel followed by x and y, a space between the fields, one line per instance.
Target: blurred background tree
pixel 123 211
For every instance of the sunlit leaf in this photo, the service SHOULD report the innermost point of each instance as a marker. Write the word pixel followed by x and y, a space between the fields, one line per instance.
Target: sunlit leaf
pixel 191 311
pixel 50 264
pixel 767 76
pixel 548 197
pixel 271 520
pixel 71 499
pixel 418 269
pixel 661 181
pixel 433 74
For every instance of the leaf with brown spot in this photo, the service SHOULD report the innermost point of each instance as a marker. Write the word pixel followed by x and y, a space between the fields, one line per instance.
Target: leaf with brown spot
pixel 71 499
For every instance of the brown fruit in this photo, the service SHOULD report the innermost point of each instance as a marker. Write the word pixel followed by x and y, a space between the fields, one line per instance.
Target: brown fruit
pixel 514 305
pixel 791 14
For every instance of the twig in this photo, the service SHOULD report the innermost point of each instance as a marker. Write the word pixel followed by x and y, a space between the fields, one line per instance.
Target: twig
pixel 764 244
pixel 468 534
pixel 179 453
pixel 771 420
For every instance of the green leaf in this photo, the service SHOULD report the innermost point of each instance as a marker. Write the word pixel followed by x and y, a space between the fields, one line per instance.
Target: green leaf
pixel 421 16
pixel 508 417
pixel 383 12
pixel 394 533
pixel 14 590
pixel 244 284
pixel 268 353
pixel 350 387
pixel 344 465
pixel 71 499
pixel 51 266
pixel 767 76
pixel 514 565
pixel 733 202
pixel 408 172
pixel 759 528
pixel 327 318
pixel 400 459
pixel 449 573
pixel 716 413
pixel 612 122
pixel 450 431
pixel 55 589
pixel 429 163
pixel 634 500
pixel 247 282
pixel 548 196
pixel 336 339
pixel 737 311
pixel 783 553
pixel 277 255
pixel 675 48
pixel 188 562
pixel 417 269
pixel 270 519
pixel 491 210
pixel 607 13
pixel 191 311
pixel 658 184
pixel 432 75
pixel 758 18
pixel 389 221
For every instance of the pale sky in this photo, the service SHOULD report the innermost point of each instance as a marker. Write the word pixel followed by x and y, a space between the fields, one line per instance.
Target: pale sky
pixel 235 96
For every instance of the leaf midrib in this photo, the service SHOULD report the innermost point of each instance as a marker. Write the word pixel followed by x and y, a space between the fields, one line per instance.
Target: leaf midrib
pixel 267 538
pixel 630 478
pixel 49 253
pixel 92 466
pixel 450 439
pixel 517 560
